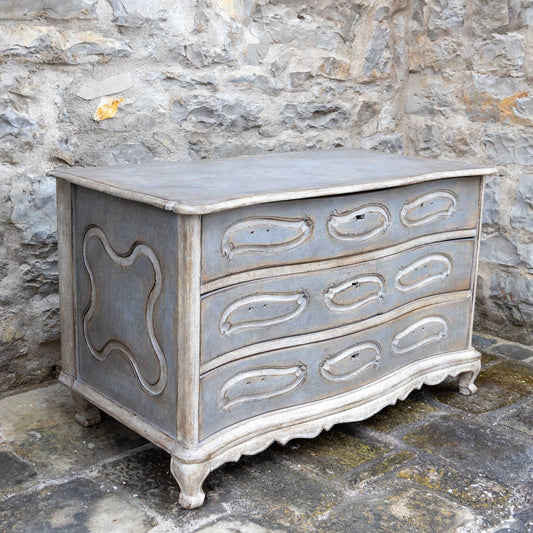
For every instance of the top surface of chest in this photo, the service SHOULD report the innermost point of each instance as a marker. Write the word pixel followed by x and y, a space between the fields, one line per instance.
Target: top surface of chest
pixel 202 187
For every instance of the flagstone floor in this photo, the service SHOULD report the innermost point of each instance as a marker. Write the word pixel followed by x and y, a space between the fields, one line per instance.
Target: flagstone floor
pixel 437 462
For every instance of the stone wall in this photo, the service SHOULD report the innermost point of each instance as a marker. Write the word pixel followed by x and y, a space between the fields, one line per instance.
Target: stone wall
pixel 214 78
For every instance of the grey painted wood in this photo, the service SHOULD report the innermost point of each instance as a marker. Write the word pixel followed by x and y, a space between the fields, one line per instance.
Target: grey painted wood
pixel 127 315
pixel 188 289
pixel 311 230
pixel 294 376
pixel 336 298
pixel 260 310
pixel 66 277
pixel 200 187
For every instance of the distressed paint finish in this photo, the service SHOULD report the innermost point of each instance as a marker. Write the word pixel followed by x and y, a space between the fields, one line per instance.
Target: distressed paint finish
pixel 126 303
pixel 252 398
pixel 332 227
pixel 364 296
pixel 274 308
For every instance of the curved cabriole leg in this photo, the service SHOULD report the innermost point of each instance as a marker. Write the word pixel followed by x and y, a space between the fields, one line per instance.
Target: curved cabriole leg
pixel 466 383
pixel 86 413
pixel 190 478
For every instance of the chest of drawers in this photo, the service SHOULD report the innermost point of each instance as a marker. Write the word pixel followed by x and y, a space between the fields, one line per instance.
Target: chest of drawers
pixel 218 306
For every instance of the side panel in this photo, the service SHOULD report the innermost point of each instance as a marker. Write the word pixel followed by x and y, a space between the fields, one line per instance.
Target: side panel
pixel 126 308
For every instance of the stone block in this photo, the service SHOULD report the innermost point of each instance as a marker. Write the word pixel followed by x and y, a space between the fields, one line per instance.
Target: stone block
pixel 77 505
pixel 426 139
pixel 510 148
pixel 156 13
pixel 14 472
pixel 19 132
pixel 490 16
pixel 227 114
pixel 499 99
pixel 507 309
pixel 499 249
pixel 240 525
pixel 378 57
pixel 474 447
pixel 313 116
pixel 47 437
pixel 500 53
pixel 392 143
pixel 412 409
pixel 53 9
pixel 472 490
pixel 429 95
pixel 491 202
pixel 334 453
pixel 34 207
pixel 393 508
pixel 446 15
pixel 522 210
pixel 46 44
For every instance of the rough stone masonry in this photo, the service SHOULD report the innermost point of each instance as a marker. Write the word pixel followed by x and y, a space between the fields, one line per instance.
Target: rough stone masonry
pixel 211 78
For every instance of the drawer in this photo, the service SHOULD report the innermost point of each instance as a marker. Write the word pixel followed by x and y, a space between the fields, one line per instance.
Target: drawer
pixel 262 310
pixel 293 376
pixel 324 228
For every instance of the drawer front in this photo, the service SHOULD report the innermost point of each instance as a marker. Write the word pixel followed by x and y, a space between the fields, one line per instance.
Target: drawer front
pixel 262 310
pixel 324 228
pixel 293 376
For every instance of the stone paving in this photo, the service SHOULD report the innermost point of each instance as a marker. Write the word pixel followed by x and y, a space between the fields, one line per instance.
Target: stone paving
pixel 437 462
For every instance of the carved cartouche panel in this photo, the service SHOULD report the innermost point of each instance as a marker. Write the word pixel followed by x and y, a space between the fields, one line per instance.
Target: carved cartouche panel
pixel 359 224
pixel 428 208
pixel 428 330
pixel 260 384
pixel 351 362
pixel 354 293
pixel 255 235
pixel 262 310
pixel 154 387
pixel 424 271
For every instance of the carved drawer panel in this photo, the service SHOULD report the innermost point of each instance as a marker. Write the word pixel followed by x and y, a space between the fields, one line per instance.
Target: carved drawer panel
pixel 293 376
pixel 324 228
pixel 277 307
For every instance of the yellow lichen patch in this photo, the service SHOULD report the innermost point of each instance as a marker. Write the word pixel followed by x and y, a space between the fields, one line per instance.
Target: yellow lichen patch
pixel 107 108
pixel 507 104
pixel 486 107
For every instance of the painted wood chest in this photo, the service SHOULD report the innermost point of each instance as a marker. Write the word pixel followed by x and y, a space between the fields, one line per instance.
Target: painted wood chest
pixel 218 306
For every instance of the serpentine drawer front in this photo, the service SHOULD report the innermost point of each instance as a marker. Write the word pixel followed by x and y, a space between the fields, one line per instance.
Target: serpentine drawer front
pixel 218 306
pixel 282 306
pixel 324 228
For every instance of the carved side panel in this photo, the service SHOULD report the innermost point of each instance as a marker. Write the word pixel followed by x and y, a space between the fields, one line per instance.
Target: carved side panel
pixel 428 208
pixel 126 293
pixel 153 387
pixel 260 384
pixel 265 235
pixel 359 224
